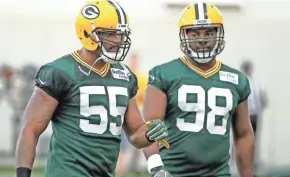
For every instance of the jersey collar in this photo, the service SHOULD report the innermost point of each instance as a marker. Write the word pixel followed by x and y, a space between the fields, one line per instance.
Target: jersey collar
pixel 102 72
pixel 206 74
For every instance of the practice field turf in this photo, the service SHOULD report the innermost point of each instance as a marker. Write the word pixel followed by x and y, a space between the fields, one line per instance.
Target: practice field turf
pixel 38 172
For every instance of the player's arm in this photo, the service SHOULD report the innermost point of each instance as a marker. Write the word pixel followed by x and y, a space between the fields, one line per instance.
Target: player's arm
pixel 134 124
pixel 154 106
pixel 244 137
pixel 36 118
pixel 37 115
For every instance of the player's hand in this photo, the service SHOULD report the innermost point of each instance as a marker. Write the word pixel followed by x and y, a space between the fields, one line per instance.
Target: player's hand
pixel 156 130
pixel 160 172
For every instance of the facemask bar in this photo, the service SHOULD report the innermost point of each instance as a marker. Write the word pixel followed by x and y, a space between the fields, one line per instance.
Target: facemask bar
pixel 202 56
pixel 122 46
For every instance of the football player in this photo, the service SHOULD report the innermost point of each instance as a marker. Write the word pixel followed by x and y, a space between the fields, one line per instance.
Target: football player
pixel 200 99
pixel 88 95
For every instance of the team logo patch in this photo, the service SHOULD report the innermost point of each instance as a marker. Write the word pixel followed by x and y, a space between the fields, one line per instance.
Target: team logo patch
pixel 120 74
pixel 90 12
pixel 229 77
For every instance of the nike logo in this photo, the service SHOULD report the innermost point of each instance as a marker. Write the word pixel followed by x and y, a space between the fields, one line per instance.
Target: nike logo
pixel 152 77
pixel 41 81
pixel 83 71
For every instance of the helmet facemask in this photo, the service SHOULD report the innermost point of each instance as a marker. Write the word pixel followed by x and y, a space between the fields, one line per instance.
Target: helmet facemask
pixel 114 44
pixel 202 48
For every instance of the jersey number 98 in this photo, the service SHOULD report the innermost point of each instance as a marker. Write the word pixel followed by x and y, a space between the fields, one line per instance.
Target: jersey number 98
pixel 200 109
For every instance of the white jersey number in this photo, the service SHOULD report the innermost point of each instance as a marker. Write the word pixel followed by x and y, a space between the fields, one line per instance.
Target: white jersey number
pixel 199 109
pixel 88 110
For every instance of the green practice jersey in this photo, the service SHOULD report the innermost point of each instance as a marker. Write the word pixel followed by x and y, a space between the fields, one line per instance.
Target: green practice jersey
pixel 87 122
pixel 200 108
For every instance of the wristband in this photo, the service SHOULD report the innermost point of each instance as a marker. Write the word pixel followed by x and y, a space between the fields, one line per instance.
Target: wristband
pixel 23 172
pixel 154 161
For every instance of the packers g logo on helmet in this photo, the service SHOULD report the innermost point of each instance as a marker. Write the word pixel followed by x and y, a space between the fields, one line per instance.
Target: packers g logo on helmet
pixel 99 19
pixel 201 16
pixel 90 12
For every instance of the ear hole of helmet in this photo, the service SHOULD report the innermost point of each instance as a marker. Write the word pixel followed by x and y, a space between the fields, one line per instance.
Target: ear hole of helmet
pixel 86 34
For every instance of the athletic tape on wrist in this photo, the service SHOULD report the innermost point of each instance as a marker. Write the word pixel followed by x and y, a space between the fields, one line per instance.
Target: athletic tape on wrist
pixel 154 161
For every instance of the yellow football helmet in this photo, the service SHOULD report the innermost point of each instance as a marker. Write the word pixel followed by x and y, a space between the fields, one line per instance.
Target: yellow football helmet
pixel 201 16
pixel 99 17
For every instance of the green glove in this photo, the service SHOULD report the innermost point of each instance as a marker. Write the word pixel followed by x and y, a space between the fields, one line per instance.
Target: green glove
pixel 156 130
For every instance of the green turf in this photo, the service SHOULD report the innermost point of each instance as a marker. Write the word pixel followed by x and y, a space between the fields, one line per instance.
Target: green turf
pixel 38 172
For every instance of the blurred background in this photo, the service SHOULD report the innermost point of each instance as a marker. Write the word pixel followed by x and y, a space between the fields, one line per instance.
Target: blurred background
pixel 34 32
